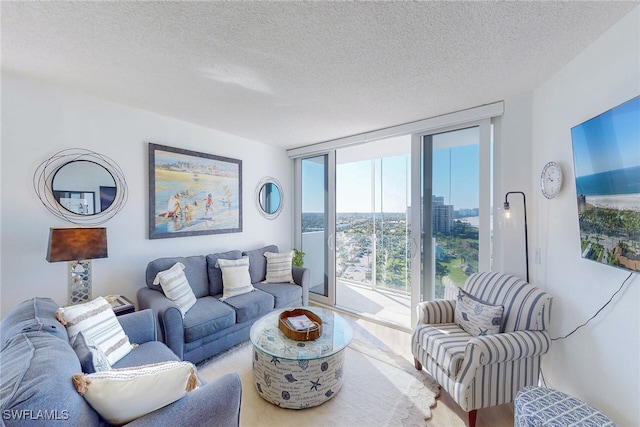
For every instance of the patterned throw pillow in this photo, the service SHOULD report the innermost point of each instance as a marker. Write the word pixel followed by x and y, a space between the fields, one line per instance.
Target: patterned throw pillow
pixel 92 359
pixel 476 316
pixel 235 277
pixel 279 267
pixel 176 287
pixel 98 324
pixel 122 395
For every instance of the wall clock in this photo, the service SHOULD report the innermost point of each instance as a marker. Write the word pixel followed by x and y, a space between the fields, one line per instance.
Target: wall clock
pixel 551 180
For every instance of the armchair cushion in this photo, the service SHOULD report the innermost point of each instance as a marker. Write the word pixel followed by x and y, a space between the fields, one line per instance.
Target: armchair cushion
pixel 122 395
pixel 476 316
pixel 445 343
pixel 97 321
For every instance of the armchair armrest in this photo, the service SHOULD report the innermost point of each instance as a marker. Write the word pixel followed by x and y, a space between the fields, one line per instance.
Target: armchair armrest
pixel 301 277
pixel 507 346
pixel 216 403
pixel 140 326
pixel 434 312
pixel 168 317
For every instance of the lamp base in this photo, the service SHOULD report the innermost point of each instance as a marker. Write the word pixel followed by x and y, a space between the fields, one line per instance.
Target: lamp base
pixel 79 281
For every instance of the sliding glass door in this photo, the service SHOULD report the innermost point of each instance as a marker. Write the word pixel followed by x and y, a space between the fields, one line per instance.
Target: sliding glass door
pixel 388 223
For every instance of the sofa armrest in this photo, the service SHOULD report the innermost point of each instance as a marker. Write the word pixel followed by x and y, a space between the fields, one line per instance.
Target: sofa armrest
pixel 140 326
pixel 168 317
pixel 434 312
pixel 507 346
pixel 301 276
pixel 216 403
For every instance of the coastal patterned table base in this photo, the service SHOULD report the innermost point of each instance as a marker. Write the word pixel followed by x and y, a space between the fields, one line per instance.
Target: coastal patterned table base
pixel 299 374
pixel 297 384
pixel 539 406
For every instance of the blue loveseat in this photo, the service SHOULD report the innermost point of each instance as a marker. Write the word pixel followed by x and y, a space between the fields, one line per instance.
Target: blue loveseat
pixel 37 364
pixel 211 325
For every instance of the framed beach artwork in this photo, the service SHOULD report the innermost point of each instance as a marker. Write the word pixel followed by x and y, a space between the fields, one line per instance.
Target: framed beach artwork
pixel 606 157
pixel 192 193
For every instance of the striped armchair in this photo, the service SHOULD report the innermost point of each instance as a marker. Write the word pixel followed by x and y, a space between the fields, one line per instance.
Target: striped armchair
pixel 486 370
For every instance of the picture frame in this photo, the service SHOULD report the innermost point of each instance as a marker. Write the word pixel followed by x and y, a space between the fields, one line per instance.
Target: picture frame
pixel 78 202
pixel 193 193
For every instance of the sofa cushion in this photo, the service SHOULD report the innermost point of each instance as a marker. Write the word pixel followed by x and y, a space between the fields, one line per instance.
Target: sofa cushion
pixel 251 305
pixel 258 263
pixel 285 294
pixel 477 317
pixel 97 321
pixel 235 277
pixel 214 273
pixel 122 395
pixel 279 267
pixel 176 287
pixel 195 268
pixel 36 381
pixel 145 353
pixel 207 317
pixel 35 314
pixel 445 343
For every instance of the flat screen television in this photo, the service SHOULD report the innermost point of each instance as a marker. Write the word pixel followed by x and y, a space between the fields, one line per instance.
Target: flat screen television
pixel 606 159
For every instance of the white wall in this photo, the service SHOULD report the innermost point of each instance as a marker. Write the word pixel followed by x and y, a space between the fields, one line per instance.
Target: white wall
pixel 39 120
pixel 600 362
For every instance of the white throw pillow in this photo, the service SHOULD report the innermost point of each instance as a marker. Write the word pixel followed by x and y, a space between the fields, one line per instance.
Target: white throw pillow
pixel 176 287
pixel 122 395
pixel 477 317
pixel 279 267
pixel 235 277
pixel 97 322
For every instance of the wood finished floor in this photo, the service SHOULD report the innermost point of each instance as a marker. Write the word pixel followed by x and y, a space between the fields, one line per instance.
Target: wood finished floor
pixel 446 413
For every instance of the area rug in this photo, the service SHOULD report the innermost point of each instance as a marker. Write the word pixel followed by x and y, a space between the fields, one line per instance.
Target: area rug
pixel 380 389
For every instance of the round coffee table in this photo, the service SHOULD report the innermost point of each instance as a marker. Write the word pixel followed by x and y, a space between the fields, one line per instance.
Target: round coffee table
pixel 299 374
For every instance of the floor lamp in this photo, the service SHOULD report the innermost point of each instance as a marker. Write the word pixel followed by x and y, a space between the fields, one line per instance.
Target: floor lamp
pixel 507 215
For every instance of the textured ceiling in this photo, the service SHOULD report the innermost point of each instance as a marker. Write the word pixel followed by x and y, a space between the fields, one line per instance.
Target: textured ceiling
pixel 296 73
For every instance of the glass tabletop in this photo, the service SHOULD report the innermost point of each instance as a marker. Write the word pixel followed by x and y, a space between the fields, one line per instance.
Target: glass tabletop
pixel 268 338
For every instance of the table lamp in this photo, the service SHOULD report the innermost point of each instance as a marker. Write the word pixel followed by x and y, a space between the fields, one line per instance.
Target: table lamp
pixel 78 246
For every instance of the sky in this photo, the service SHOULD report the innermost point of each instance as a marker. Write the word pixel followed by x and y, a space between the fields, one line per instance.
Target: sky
pixel 354 189
pixel 609 141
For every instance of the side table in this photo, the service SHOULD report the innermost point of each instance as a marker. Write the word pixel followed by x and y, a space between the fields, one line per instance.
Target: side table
pixel 121 305
pixel 299 374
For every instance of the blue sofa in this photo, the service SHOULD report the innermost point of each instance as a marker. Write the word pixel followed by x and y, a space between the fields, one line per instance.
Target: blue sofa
pixel 38 363
pixel 211 325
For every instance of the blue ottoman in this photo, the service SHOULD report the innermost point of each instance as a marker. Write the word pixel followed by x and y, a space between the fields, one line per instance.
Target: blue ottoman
pixel 539 406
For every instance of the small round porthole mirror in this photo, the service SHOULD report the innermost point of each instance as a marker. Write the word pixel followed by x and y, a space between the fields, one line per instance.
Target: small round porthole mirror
pixel 269 197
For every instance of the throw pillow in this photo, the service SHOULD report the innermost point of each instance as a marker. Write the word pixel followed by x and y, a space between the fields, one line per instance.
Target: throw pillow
pixel 176 287
pixel 476 316
pixel 92 359
pixel 279 267
pixel 235 277
pixel 122 395
pixel 97 322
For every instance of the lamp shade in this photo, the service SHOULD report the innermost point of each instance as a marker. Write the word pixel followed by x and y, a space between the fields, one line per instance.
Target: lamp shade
pixel 73 244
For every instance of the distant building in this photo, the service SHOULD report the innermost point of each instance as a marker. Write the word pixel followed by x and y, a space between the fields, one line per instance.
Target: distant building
pixel 442 215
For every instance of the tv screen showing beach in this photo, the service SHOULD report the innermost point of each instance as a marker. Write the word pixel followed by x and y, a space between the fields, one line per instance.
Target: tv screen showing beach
pixel 606 157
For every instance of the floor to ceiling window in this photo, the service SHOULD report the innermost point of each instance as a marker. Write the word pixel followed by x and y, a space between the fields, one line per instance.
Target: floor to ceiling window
pixel 386 222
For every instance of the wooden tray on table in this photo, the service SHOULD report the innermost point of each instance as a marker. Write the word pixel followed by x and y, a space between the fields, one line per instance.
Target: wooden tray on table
pixel 300 335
